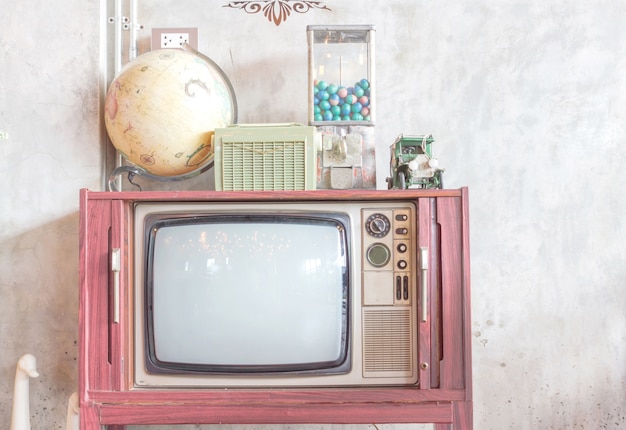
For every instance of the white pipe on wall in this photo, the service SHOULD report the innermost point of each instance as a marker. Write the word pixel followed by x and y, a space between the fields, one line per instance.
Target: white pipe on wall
pixel 118 37
pixel 118 41
pixel 133 29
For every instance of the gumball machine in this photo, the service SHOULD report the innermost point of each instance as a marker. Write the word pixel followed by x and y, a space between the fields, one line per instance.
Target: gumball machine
pixel 341 74
pixel 342 103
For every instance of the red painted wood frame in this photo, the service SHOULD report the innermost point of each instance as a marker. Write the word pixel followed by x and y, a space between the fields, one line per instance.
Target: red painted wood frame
pixel 443 395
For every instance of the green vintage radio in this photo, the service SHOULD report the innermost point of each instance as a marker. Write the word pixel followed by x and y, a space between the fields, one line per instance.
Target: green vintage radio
pixel 265 157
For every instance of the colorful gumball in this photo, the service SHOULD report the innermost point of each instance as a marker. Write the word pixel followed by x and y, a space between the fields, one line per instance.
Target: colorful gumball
pixel 334 102
pixel 356 117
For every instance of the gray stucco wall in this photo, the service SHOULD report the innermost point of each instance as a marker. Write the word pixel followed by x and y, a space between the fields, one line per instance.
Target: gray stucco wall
pixel 527 101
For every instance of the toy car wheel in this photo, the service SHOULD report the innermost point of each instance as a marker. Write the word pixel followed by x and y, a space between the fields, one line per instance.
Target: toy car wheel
pixel 401 181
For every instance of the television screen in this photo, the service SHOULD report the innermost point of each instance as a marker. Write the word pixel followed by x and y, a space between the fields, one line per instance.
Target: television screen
pixel 255 293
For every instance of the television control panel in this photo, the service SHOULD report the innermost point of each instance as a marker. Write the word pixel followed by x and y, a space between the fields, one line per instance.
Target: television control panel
pixel 388 272
pixel 388 291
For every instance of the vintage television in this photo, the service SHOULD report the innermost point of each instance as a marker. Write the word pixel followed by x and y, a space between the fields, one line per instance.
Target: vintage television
pixel 203 307
pixel 274 294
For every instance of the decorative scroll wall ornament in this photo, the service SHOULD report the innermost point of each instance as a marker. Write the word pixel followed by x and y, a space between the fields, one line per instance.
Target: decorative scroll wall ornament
pixel 277 11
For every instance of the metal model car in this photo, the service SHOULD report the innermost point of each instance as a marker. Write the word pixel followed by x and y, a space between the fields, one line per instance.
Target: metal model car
pixel 412 164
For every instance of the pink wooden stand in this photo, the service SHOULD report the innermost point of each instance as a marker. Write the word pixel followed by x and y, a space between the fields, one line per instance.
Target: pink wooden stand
pixel 107 397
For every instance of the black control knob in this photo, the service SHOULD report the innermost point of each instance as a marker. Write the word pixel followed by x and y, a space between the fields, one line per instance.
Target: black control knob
pixel 377 225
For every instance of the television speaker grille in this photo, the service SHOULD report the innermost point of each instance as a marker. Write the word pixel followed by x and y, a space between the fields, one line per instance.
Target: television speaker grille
pixel 388 342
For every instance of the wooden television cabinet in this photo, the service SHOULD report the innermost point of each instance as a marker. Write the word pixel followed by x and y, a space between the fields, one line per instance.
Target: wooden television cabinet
pixel 443 394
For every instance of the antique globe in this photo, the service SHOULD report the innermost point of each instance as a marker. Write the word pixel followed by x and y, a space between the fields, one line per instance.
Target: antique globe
pixel 162 108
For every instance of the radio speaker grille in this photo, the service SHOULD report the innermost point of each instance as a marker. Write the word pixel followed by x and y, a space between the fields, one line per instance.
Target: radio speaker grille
pixel 265 158
pixel 264 166
pixel 388 341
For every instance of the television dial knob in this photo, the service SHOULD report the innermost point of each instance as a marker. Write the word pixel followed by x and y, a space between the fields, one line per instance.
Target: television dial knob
pixel 377 225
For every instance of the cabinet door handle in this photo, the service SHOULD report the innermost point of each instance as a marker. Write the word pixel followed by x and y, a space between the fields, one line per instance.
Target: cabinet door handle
pixel 116 265
pixel 424 270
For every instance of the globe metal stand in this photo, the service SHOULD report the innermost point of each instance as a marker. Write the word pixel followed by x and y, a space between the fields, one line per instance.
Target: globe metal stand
pixel 133 170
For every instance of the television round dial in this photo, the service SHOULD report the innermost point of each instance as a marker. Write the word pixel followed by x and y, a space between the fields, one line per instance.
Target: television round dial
pixel 377 225
pixel 378 255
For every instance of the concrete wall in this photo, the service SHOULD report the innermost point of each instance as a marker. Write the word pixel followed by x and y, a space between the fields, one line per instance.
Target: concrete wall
pixel 527 101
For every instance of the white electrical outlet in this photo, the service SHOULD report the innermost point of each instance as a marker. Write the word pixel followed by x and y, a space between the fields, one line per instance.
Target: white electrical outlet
pixel 167 38
pixel 174 40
